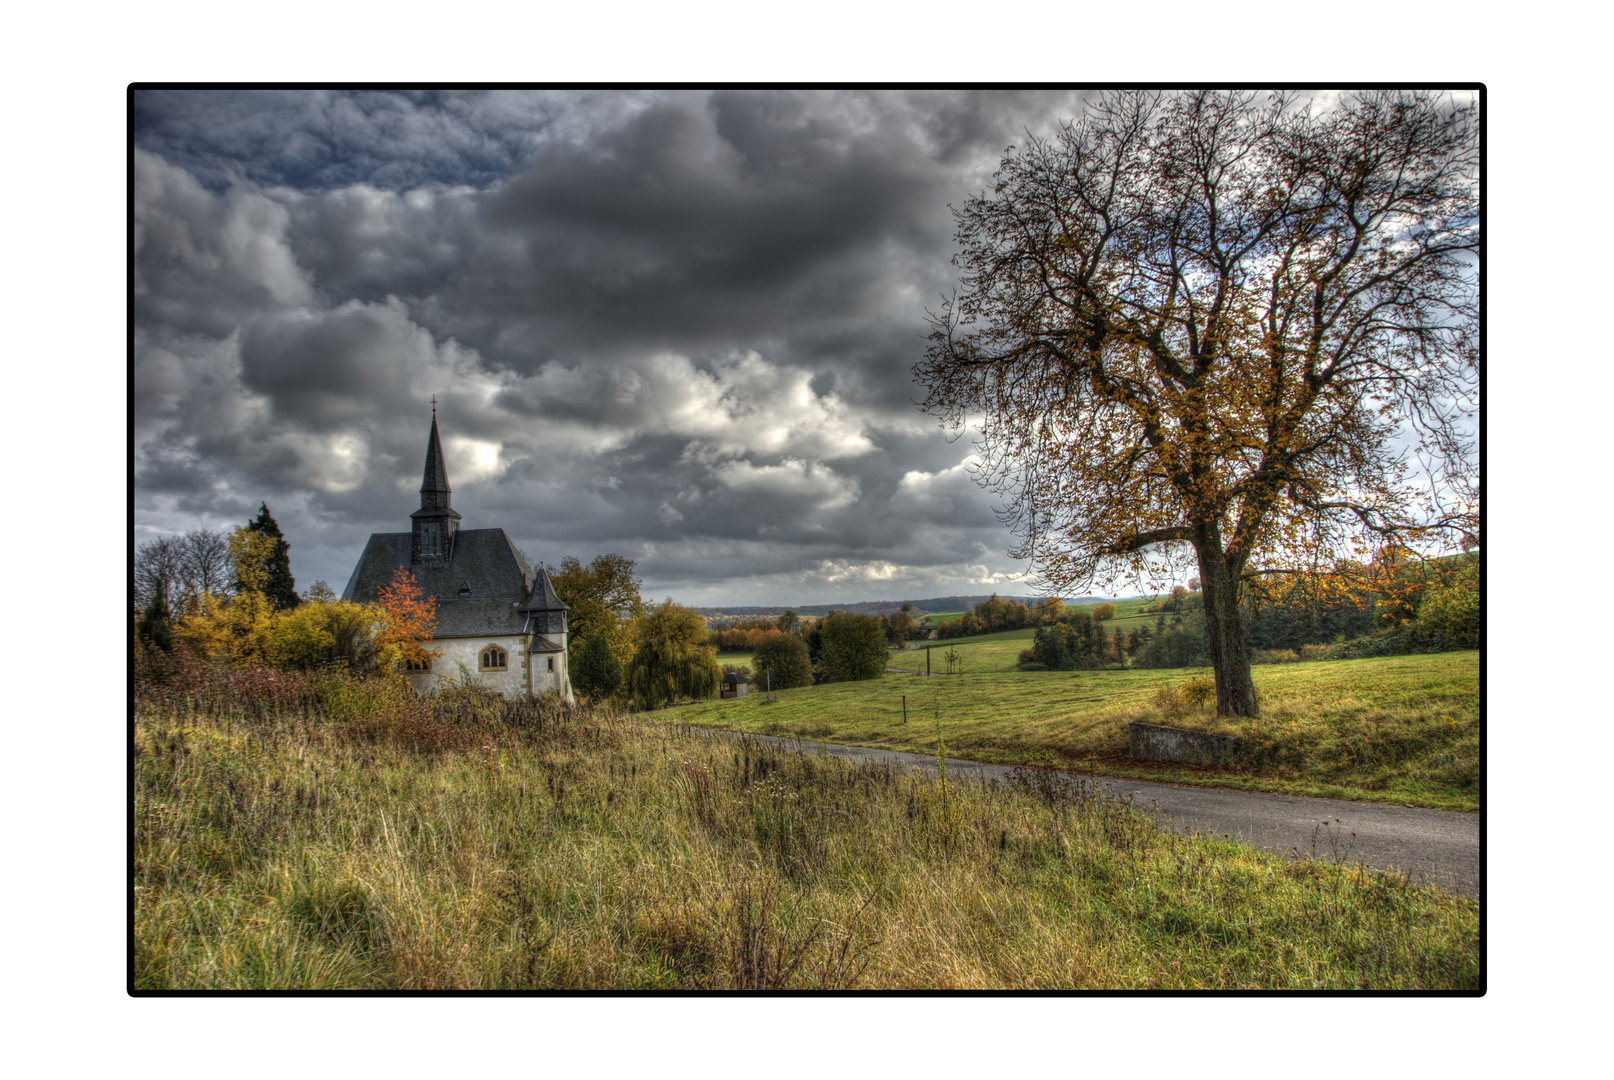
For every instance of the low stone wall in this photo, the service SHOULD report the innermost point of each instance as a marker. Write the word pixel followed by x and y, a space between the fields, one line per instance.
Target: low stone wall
pixel 1153 742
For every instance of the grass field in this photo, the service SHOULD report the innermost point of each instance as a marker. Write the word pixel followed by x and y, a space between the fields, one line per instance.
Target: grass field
pixel 988 652
pixel 1396 729
pixel 357 838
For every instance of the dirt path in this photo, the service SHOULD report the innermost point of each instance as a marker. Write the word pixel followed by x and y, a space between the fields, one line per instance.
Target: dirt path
pixel 1433 847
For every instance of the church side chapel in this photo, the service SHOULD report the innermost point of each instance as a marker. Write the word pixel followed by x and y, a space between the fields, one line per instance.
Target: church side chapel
pixel 496 615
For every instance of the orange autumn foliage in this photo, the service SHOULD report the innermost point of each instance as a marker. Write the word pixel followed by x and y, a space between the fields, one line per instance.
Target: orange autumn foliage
pixel 409 619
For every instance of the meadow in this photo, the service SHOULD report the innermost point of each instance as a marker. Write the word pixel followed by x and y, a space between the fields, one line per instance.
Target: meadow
pixel 1402 729
pixel 327 833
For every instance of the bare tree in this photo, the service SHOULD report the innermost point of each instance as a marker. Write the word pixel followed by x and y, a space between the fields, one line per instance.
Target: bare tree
pixel 1217 324
pixel 187 565
pixel 159 561
pixel 206 561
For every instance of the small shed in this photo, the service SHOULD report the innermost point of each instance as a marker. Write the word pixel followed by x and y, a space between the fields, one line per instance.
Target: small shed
pixel 734 685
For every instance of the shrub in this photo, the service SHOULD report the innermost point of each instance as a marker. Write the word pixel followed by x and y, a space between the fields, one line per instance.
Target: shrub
pixel 783 662
pixel 1172 701
pixel 316 633
pixel 1199 691
pixel 1274 656
pixel 1169 703
pixel 1104 611
pixel 1453 611
pixel 853 647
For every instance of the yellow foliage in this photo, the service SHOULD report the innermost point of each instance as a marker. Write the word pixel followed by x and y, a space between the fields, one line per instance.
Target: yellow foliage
pixel 250 553
pixel 315 633
pixel 236 629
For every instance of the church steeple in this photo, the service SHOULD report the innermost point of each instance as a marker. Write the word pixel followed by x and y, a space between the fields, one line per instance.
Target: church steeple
pixel 436 522
pixel 434 489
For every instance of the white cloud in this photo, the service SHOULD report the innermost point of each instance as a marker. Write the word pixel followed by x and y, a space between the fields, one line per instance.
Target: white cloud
pixel 803 481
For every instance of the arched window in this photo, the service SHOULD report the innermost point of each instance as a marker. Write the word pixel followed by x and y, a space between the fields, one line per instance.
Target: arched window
pixel 418 665
pixel 494 659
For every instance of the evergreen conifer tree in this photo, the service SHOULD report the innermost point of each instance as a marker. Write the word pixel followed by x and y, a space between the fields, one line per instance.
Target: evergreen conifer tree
pixel 595 672
pixel 279 588
pixel 154 621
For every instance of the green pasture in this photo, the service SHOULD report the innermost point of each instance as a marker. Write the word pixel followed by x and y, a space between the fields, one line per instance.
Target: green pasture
pixel 1394 729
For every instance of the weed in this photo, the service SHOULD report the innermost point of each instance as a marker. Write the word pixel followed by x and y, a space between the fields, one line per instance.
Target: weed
pixel 544 846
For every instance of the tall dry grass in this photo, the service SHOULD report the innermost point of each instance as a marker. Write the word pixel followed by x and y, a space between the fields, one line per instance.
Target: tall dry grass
pixel 355 837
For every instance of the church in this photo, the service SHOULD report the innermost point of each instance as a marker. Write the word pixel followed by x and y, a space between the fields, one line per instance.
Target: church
pixel 497 617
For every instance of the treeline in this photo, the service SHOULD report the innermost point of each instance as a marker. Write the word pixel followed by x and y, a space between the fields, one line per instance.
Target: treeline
pixel 996 614
pixel 1397 608
pixel 232 607
pixel 842 646
pixel 230 599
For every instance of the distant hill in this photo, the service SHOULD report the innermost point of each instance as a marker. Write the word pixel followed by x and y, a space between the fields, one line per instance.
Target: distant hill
pixel 880 607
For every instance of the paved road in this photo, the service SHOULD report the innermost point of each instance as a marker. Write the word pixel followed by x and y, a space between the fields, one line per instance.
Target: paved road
pixel 1433 847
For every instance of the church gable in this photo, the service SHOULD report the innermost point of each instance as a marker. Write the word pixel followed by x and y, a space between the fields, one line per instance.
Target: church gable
pixel 490 602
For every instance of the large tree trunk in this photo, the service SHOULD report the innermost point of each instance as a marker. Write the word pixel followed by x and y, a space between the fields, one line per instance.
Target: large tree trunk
pixel 1224 633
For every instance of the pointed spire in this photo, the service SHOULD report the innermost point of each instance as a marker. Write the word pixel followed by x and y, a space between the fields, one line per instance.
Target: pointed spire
pixel 434 489
pixel 542 597
pixel 436 522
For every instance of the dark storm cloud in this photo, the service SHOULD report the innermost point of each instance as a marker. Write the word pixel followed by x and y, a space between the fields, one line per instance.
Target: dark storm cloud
pixel 688 229
pixel 321 140
pixel 678 326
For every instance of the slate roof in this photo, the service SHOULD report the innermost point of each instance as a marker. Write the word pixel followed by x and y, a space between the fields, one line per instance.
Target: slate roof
pixel 542 597
pixel 483 559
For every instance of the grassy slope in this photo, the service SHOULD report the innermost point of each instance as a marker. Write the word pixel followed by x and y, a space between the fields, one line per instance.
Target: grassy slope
pixel 1396 729
pixel 290 850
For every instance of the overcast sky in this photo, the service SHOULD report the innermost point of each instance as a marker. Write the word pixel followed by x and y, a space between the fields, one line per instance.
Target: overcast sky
pixel 674 325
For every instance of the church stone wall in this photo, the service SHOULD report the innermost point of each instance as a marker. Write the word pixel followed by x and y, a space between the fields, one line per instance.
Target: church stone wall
pixel 511 683
pixel 544 680
pixel 468 651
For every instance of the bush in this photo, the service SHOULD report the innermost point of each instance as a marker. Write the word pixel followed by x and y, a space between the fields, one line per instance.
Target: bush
pixel 1172 701
pixel 1169 703
pixel 1453 611
pixel 1104 611
pixel 853 647
pixel 1199 691
pixel 783 662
